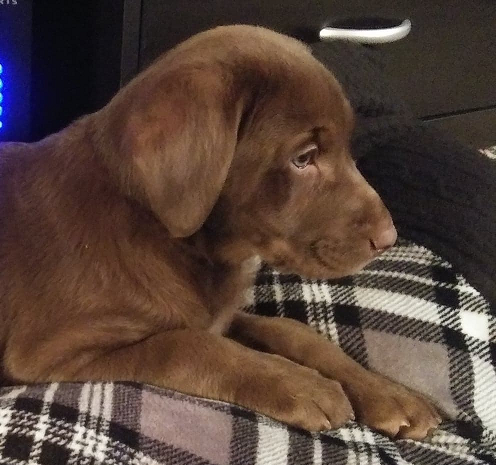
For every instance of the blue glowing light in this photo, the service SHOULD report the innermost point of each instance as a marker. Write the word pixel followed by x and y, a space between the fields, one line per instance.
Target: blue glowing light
pixel 1 95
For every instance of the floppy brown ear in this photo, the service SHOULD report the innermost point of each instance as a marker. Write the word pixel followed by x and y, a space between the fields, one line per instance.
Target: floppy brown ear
pixel 180 132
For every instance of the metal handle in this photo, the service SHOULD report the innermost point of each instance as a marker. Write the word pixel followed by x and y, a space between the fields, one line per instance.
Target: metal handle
pixel 367 36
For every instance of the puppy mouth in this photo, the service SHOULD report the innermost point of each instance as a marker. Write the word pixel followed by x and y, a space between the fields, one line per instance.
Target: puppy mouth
pixel 336 271
pixel 319 259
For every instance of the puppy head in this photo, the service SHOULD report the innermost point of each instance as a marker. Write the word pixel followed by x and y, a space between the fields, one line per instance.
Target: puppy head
pixel 242 131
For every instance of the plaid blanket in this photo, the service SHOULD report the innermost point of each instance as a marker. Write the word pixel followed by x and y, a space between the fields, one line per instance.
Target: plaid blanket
pixel 407 315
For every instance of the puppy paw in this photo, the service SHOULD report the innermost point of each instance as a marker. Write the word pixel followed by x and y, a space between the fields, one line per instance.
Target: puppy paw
pixel 298 396
pixel 393 409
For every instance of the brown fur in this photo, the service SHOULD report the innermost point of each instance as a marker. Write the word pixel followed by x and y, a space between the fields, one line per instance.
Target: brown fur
pixel 128 239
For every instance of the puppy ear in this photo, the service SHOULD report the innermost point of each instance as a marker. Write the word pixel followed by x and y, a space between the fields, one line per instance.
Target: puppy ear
pixel 180 137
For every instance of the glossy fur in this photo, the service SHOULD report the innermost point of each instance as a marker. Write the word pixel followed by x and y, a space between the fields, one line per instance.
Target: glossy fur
pixel 128 240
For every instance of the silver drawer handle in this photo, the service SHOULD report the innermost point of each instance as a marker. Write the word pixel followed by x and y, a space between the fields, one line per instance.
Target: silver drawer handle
pixel 367 36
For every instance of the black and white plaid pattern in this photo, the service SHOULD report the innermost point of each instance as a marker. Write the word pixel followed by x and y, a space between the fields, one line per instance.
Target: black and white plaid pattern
pixel 53 425
pixel 110 424
pixel 410 300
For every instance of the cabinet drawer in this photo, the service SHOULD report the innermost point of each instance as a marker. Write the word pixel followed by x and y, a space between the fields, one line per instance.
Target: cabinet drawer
pixel 477 128
pixel 446 64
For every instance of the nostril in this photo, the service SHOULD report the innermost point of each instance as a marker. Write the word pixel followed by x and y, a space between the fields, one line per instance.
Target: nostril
pixel 379 249
pixel 384 240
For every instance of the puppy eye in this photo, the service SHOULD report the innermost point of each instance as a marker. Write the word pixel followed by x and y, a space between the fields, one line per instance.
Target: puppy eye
pixel 305 157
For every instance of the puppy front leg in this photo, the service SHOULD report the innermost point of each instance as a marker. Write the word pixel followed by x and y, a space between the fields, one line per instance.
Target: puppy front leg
pixel 378 402
pixel 207 365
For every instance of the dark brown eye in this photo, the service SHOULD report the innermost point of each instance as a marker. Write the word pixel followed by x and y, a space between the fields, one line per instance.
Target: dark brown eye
pixel 305 157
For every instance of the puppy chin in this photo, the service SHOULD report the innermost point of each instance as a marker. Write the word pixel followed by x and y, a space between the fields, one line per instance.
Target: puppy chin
pixel 353 270
pixel 320 272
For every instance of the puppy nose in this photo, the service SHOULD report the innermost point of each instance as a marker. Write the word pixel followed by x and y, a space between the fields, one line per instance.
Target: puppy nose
pixel 385 239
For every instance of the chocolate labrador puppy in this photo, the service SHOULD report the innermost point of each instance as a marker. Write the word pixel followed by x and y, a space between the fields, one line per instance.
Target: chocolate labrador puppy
pixel 128 239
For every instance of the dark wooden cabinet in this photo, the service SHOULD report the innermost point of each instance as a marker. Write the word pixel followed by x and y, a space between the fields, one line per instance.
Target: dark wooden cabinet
pixel 445 67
